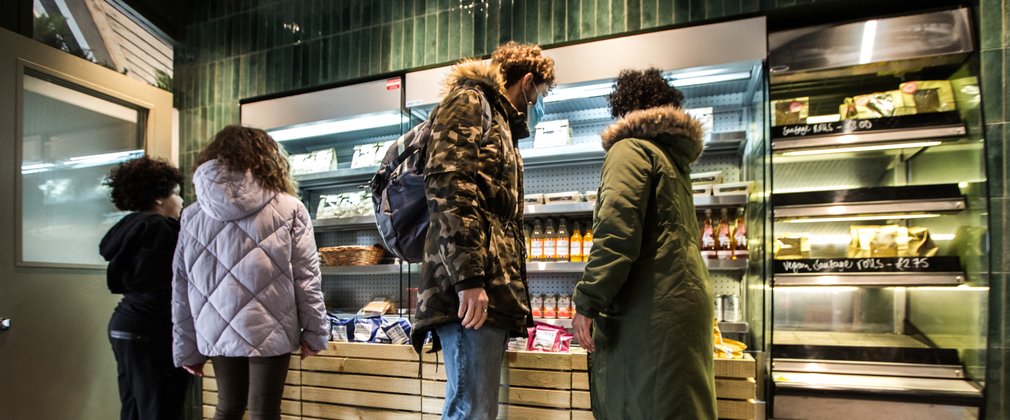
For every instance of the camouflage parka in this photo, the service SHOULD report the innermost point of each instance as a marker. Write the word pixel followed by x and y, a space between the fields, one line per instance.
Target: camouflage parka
pixel 474 188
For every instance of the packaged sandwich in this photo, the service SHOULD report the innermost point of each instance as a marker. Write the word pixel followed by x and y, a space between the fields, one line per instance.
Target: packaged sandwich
pixel 879 105
pixel 929 95
pixel 551 306
pixel 790 111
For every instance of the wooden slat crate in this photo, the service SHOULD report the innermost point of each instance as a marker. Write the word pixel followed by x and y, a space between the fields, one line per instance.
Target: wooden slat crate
pixel 380 381
pixel 291 406
pixel 361 380
pixel 535 386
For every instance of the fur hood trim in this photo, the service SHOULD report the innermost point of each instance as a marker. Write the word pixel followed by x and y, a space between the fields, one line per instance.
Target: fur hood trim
pixel 473 71
pixel 655 123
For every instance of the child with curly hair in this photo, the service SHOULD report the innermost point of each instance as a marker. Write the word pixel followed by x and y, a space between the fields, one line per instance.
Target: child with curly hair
pixel 139 249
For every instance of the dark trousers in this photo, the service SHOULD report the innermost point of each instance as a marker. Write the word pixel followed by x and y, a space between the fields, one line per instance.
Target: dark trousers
pixel 256 382
pixel 150 387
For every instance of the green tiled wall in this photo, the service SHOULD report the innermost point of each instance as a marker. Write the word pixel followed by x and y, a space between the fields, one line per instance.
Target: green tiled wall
pixel 239 49
pixel 994 38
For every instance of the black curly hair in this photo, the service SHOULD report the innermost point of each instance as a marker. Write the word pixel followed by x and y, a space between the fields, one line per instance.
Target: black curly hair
pixel 138 183
pixel 642 89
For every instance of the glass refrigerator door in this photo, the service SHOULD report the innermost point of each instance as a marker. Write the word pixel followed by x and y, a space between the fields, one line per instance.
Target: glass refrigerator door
pixel 880 217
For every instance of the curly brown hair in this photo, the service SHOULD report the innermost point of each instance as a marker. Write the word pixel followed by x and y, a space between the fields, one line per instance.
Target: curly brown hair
pixel 642 89
pixel 243 149
pixel 515 60
pixel 138 183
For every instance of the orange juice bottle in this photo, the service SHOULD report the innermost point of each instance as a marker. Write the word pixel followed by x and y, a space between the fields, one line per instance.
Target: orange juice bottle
pixel 575 253
pixel 587 243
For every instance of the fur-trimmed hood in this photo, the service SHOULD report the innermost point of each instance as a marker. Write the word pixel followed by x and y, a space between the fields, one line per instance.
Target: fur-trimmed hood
pixel 662 124
pixel 474 72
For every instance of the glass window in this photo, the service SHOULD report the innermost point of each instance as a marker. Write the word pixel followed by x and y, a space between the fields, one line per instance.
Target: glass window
pixel 71 137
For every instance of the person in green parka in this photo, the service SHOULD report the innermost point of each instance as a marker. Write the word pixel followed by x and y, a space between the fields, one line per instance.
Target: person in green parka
pixel 646 291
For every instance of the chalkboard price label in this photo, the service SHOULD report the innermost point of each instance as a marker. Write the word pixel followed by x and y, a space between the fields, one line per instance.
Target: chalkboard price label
pixel 869 265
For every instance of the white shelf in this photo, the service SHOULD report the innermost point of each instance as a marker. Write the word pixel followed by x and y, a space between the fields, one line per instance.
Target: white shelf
pixel 368 269
pixel 701 202
pixel 563 155
pixel 555 267
pixel 344 223
pixel 557 322
pixel 870 279
pixel 337 177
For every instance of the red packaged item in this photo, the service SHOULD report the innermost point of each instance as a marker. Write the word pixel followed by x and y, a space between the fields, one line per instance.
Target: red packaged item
pixel 548 338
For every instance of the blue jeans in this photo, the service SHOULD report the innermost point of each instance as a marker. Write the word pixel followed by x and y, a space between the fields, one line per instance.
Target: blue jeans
pixel 473 369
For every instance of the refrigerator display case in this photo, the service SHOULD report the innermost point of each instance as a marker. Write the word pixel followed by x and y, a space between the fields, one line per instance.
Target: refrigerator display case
pixel 335 139
pixel 881 267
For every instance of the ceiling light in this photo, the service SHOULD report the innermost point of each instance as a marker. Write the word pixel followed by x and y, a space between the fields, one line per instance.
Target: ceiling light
pixel 887 146
pixel 579 92
pixel 703 80
pixel 866 49
pixel 335 127
pixel 862 218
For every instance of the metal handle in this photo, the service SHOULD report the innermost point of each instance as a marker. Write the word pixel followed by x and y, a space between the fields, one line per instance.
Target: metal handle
pixel 5 324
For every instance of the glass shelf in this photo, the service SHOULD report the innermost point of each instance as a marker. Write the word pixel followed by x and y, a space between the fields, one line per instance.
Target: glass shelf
pixel 868 134
pixel 880 279
pixel 875 203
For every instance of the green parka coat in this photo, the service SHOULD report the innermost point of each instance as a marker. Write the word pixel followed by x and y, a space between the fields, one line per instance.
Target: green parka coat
pixel 645 285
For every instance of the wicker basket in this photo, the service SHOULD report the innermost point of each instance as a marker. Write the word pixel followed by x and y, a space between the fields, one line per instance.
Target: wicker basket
pixel 351 255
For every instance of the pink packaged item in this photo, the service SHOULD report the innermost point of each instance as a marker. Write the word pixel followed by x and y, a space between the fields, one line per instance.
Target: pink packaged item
pixel 548 338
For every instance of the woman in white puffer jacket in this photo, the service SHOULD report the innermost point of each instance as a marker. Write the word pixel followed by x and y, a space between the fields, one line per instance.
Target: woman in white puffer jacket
pixel 247 287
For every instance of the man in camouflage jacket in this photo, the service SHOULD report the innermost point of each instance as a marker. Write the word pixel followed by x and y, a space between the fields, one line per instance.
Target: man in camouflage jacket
pixel 473 292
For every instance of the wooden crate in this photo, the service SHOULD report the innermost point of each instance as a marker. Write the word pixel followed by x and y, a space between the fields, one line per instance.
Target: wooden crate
pixel 291 406
pixel 534 386
pixel 382 381
pixel 362 380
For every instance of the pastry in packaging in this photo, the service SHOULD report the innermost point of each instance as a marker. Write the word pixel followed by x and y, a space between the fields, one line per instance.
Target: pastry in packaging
pixel 792 247
pixel 847 110
pixel 365 329
pixel 591 196
pixel 920 244
pixel 341 329
pixel 548 338
pixel 377 307
pixel 790 111
pixel 726 348
pixel 928 95
pixel 883 241
pixel 397 331
pixel 312 162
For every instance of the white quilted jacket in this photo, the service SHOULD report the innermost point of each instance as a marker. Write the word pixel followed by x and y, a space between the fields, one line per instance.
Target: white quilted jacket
pixel 247 280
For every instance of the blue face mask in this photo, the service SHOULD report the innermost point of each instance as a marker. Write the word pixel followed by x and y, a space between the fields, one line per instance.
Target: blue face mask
pixel 536 113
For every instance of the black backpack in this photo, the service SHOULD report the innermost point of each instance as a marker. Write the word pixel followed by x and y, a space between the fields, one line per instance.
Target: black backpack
pixel 401 208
